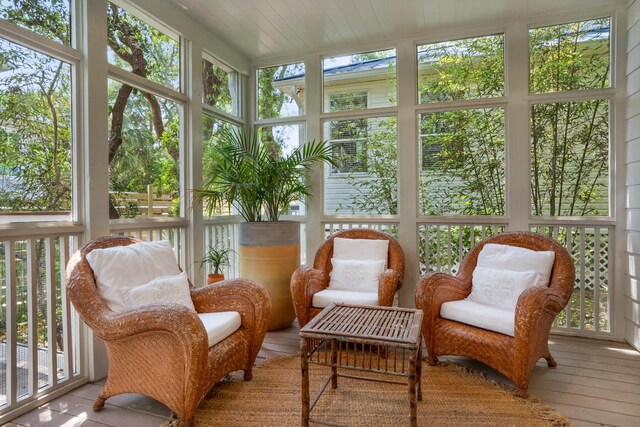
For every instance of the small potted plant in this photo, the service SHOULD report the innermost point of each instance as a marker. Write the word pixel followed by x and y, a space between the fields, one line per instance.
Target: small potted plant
pixel 215 258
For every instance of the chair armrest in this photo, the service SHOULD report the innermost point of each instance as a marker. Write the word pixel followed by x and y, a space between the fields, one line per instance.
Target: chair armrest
pixel 305 282
pixel 434 289
pixel 388 285
pixel 247 297
pixel 179 321
pixel 532 305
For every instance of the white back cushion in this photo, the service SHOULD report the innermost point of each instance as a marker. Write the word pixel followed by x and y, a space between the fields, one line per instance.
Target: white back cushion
pixel 513 258
pixel 500 288
pixel 161 290
pixel 361 249
pixel 351 275
pixel 123 267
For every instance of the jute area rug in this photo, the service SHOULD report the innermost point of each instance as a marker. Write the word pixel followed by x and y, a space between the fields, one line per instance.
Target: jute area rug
pixel 452 396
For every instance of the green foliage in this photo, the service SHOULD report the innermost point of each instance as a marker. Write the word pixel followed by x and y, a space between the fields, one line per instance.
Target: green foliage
pixel 50 18
pixel 248 176
pixel 217 257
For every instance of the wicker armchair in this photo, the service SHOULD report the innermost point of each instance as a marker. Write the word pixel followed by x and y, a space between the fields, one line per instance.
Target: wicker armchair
pixel 535 312
pixel 305 282
pixel 162 351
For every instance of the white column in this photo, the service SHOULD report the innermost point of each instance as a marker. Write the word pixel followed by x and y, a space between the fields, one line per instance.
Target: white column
pixel 94 148
pixel 192 153
pixel 315 205
pixel 517 138
pixel 407 167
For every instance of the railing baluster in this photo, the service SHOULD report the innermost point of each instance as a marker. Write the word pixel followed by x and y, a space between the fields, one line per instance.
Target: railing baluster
pixel 32 310
pixel 12 332
pixel 66 309
pixel 582 275
pixel 596 279
pixel 51 311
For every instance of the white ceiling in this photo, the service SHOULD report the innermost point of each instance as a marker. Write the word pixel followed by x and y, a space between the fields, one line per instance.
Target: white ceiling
pixel 271 28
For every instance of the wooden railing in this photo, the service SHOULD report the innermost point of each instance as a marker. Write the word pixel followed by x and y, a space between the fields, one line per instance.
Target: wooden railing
pixel 40 343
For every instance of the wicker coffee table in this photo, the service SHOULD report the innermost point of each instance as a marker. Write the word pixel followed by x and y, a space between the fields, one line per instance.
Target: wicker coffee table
pixel 364 339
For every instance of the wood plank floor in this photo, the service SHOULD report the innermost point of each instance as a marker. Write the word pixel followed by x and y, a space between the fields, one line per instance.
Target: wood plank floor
pixel 596 383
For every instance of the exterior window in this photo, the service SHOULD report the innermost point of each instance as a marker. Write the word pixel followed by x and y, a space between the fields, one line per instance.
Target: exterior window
pixel 281 91
pixel 49 18
pixel 366 180
pixel 570 56
pixel 35 133
pixel 142 49
pixel 348 139
pixel 461 69
pixel 144 154
pixel 467 175
pixel 221 87
pixel 348 101
pixel 372 74
pixel 431 134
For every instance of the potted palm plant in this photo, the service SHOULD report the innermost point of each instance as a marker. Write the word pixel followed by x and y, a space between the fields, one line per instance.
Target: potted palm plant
pixel 215 258
pixel 261 183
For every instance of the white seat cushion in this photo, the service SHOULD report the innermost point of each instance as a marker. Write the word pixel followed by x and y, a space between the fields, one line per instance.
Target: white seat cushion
pixel 328 296
pixel 480 315
pixel 220 325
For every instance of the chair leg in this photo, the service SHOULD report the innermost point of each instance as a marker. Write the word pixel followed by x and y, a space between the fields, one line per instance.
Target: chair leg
pixel 521 392
pixel 248 374
pixel 551 362
pixel 99 403
pixel 432 360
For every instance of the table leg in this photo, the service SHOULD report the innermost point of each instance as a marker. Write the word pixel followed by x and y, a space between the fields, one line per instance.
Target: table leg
pixel 413 404
pixel 419 372
pixel 334 364
pixel 304 366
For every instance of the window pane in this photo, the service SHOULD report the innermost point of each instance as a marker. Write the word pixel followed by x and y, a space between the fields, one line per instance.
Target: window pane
pixel 49 18
pixel 462 162
pixel 281 91
pixel 35 132
pixel 366 179
pixel 461 69
pixel 372 74
pixel 140 48
pixel 212 130
pixel 570 158
pixel 569 56
pixel 220 88
pixel 144 154
pixel 282 140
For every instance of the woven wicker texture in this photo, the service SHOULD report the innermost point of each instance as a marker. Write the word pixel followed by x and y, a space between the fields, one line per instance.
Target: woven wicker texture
pixel 452 396
pixel 536 309
pixel 162 351
pixel 305 281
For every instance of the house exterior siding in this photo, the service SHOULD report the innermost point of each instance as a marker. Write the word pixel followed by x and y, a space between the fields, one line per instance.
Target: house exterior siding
pixel 632 285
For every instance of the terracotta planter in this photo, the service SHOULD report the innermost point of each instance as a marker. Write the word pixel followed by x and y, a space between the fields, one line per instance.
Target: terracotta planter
pixel 214 278
pixel 269 254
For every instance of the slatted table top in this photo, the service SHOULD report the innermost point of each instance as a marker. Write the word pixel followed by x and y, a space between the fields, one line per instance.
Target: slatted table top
pixel 374 325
